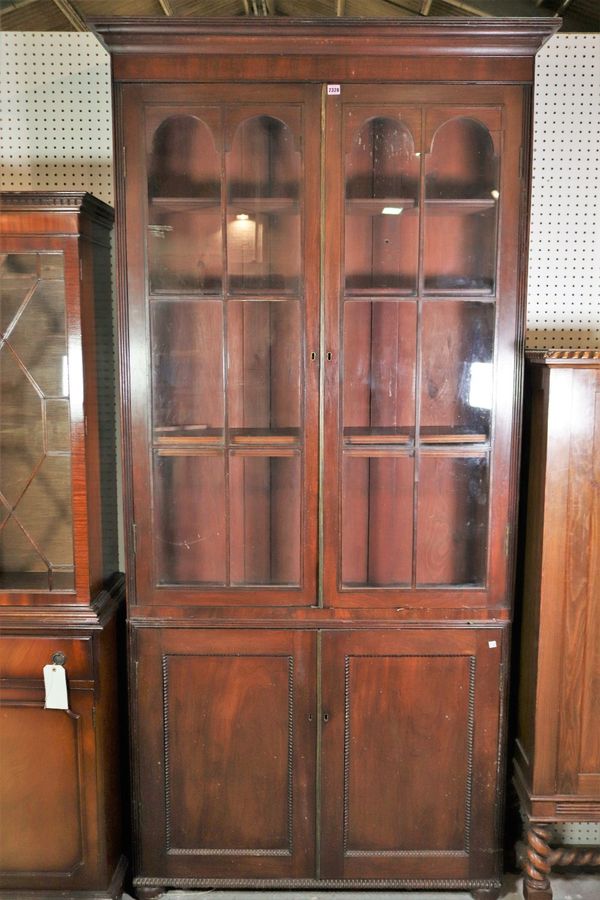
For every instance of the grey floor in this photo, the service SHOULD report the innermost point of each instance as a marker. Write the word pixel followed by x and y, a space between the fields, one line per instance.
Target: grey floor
pixel 577 887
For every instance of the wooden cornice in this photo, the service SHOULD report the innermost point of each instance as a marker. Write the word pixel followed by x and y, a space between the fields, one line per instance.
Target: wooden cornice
pixel 356 37
pixel 588 357
pixel 57 201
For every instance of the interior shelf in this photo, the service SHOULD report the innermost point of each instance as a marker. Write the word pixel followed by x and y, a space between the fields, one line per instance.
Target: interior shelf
pixel 462 207
pixel 263 204
pixel 373 206
pixel 187 204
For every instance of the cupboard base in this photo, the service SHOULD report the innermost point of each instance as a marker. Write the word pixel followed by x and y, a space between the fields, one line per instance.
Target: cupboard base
pixel 114 891
pixel 476 886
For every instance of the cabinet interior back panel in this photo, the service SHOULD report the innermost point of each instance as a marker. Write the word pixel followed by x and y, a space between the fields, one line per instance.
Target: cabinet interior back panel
pixel 55 117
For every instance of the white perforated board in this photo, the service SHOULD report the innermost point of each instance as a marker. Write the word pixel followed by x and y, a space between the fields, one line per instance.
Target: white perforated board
pixel 55 113
pixel 563 302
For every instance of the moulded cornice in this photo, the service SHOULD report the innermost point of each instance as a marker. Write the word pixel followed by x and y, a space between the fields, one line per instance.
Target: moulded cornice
pixel 62 201
pixel 359 37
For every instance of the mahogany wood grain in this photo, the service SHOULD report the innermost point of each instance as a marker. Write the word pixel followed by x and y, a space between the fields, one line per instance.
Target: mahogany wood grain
pixel 60 792
pixel 227 768
pixel 407 717
pixel 386 420
pixel 558 743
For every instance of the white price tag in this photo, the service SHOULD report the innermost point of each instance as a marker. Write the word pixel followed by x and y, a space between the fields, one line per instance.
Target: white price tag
pixel 492 644
pixel 55 683
pixel 334 89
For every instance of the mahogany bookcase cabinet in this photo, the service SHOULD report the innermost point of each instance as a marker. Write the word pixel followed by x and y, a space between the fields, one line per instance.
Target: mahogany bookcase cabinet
pixel 60 817
pixel 322 229
pixel 557 754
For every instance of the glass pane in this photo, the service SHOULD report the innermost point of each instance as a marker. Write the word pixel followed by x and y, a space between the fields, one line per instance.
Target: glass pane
pixel 265 519
pixel 184 162
pixel 185 249
pixel 189 518
pixel 51 265
pixel 58 435
pixel 379 371
pixel 457 370
pixel 460 248
pixel 382 179
pixel 263 220
pixel 377 520
pixel 462 194
pixel 187 371
pixel 22 431
pixel 184 194
pixel 452 520
pixel 18 272
pixel 36 537
pixel 264 346
pixel 39 338
pixel 45 511
pixel 462 164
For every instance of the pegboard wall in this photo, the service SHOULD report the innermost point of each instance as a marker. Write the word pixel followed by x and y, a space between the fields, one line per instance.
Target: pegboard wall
pixel 55 113
pixel 563 299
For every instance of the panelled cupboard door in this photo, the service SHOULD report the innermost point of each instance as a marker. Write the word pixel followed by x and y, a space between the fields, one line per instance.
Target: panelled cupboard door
pixel 48 799
pixel 423 204
pixel 223 219
pixel 410 742
pixel 226 746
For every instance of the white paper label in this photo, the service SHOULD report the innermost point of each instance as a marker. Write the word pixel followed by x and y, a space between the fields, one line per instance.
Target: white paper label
pixel 334 89
pixel 55 682
pixel 492 644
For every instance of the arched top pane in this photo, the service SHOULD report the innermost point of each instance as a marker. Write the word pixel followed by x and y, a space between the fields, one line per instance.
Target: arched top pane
pixel 382 161
pixel 462 164
pixel 184 161
pixel 264 161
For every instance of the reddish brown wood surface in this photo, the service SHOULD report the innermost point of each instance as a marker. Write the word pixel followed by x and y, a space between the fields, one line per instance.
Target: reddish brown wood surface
pixel 409 717
pixel 362 360
pixel 558 749
pixel 60 792
pixel 227 769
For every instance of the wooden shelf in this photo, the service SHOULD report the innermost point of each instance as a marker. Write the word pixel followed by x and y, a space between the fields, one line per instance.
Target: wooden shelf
pixel 374 206
pixel 462 207
pixel 263 205
pixel 254 436
pixel 379 436
pixel 185 204
pixel 453 437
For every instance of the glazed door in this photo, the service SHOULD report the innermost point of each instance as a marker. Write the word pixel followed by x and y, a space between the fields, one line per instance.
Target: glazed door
pixel 421 287
pixel 49 766
pixel 226 747
pixel 410 741
pixel 41 438
pixel 223 316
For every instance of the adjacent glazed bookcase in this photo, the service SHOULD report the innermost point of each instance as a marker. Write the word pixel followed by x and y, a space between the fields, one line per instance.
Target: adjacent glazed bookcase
pixel 322 273
pixel 60 792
